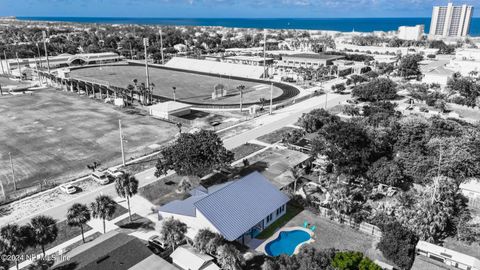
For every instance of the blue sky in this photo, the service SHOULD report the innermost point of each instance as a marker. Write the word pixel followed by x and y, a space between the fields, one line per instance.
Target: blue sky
pixel 223 8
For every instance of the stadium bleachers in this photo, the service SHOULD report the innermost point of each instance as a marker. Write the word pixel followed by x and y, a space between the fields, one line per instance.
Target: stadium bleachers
pixel 213 67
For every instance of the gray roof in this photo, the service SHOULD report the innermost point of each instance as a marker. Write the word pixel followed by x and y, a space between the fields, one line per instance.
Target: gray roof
pixel 237 207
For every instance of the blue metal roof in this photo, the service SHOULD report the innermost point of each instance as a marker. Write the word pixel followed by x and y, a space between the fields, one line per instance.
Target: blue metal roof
pixel 237 207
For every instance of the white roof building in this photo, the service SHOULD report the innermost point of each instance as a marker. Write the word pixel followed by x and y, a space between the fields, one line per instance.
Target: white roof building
pixel 186 258
pixel 447 256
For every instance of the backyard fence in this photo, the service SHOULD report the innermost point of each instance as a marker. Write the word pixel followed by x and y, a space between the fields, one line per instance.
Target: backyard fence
pixel 364 227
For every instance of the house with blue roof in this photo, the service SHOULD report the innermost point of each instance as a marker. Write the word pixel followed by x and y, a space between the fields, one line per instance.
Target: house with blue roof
pixel 238 210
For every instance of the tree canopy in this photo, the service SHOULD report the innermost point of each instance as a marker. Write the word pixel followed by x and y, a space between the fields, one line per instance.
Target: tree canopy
pixel 376 90
pixel 194 154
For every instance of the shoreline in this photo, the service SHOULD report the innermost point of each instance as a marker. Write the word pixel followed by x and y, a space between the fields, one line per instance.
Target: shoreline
pixel 329 25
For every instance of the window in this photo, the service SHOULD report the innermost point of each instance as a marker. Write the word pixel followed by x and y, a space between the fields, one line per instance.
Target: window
pixel 269 218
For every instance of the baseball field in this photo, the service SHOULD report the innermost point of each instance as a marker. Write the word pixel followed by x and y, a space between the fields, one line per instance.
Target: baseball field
pixel 53 135
pixel 190 87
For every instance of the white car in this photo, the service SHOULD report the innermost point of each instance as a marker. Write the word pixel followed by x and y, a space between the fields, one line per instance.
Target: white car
pixel 100 177
pixel 114 172
pixel 68 188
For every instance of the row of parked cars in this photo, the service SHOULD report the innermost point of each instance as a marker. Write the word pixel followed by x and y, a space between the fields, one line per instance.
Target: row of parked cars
pixel 101 177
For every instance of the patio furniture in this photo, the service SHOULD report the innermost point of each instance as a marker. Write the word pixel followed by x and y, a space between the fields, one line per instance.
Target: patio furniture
pixel 305 224
pixel 313 228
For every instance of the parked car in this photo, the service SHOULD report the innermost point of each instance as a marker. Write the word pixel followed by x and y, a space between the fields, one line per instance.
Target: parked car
pixel 100 177
pixel 68 188
pixel 114 172
pixel 156 244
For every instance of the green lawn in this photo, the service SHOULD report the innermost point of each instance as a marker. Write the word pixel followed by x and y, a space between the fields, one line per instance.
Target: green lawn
pixel 245 150
pixel 163 191
pixel 292 211
pixel 120 210
pixel 275 136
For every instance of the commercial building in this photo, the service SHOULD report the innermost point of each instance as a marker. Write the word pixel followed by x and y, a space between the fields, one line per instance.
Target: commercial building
pixel 248 60
pixel 62 60
pixel 411 32
pixel 465 61
pixel 450 21
pixel 308 60
pixel 238 210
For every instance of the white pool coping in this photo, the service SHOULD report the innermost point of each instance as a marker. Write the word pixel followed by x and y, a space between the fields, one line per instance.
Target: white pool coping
pixel 261 248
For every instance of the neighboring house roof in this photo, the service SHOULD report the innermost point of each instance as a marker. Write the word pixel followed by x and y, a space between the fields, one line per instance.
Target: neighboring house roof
pixel 451 254
pixel 318 56
pixel 187 258
pixel 472 185
pixel 113 250
pixel 153 262
pixel 239 206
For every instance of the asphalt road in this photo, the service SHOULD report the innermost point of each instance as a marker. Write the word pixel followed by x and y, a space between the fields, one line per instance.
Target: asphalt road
pixel 268 123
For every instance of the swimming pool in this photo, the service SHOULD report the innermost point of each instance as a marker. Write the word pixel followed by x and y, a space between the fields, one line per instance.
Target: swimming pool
pixel 287 242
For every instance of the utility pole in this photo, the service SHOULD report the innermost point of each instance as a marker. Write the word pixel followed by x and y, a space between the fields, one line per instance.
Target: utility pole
pixel 271 97
pixel 46 52
pixel 121 141
pixel 39 55
pixel 145 45
pixel 326 99
pixel 131 52
pixel 3 71
pixel 13 171
pixel 174 93
pixel 265 52
pixel 18 65
pixel 241 100
pixel 161 46
pixel 7 66
pixel 3 190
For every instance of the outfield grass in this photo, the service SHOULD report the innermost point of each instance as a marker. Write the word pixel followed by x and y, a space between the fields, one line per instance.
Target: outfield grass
pixel 53 135
pixel 245 150
pixel 275 136
pixel 189 87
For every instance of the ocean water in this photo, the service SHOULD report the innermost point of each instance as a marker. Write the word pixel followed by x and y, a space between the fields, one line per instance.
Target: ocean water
pixel 334 24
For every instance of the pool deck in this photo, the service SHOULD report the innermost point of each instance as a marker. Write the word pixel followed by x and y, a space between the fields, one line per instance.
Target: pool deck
pixel 261 247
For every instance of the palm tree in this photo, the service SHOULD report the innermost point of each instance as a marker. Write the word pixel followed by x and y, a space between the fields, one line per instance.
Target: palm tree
pixel 41 264
pixel 126 186
pixel 130 88
pixel 103 207
pixel 45 231
pixel 174 93
pixel 15 239
pixel 77 216
pixel 173 231
pixel 241 88
pixel 296 173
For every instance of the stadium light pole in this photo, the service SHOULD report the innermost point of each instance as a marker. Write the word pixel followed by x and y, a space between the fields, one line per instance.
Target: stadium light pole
pixel 145 45
pixel 161 46
pixel 3 71
pixel 7 66
pixel 13 171
pixel 121 141
pixel 39 55
pixel 264 52
pixel 271 97
pixel 18 64
pixel 45 47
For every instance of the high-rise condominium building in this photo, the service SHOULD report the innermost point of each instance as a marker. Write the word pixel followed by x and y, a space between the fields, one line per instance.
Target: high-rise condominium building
pixel 411 32
pixel 450 21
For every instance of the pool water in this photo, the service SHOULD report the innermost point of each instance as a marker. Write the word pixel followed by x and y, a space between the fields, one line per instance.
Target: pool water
pixel 286 242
